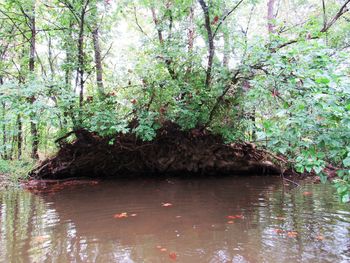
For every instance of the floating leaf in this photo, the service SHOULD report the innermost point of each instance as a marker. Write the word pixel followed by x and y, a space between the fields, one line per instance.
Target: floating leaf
pixel 320 238
pixel 278 231
pixel 307 193
pixel 172 255
pixel 167 204
pixel 121 215
pixel 235 217
pixel 163 249
pixel 292 234
pixel 230 222
pixel 40 239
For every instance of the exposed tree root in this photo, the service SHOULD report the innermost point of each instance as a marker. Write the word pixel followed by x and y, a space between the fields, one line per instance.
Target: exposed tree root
pixel 172 152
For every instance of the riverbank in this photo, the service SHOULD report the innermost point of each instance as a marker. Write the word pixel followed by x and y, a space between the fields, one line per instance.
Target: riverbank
pixel 173 151
pixel 13 171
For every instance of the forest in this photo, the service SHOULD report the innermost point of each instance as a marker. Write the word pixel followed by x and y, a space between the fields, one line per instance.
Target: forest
pixel 271 78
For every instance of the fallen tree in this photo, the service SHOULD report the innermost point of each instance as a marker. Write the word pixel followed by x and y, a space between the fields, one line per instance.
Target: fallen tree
pixel 172 152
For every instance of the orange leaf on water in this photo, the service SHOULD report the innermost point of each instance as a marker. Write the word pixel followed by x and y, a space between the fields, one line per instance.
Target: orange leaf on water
pixel 133 215
pixel 163 249
pixel 41 239
pixel 230 222
pixel 172 255
pixel 235 216
pixel 320 238
pixel 278 231
pixel 280 218
pixel 121 215
pixel 307 193
pixel 159 247
pixel 292 234
pixel 166 204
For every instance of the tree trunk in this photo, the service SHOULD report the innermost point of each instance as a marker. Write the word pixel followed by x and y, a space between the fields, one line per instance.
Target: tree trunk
pixel 167 61
pixel 270 17
pixel 190 36
pixel 81 57
pixel 19 137
pixel 98 60
pixel 4 132
pixel 226 38
pixel 156 23
pixel 33 125
pixel 191 31
pixel 211 47
pixel 68 59
pixel 226 58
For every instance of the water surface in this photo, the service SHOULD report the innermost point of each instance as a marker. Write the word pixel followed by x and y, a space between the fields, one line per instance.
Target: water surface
pixel 232 219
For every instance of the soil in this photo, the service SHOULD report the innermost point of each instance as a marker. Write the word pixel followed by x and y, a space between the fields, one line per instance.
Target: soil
pixel 172 152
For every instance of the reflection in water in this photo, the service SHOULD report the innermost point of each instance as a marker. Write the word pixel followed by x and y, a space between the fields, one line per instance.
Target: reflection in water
pixel 77 224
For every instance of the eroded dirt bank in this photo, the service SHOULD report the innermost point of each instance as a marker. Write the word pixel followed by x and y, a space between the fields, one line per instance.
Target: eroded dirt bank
pixel 172 152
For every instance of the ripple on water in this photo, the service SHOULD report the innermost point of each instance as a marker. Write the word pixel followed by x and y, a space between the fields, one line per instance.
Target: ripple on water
pixel 237 219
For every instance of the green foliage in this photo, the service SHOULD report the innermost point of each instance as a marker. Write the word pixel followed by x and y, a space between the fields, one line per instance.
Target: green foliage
pixel 16 169
pixel 287 91
pixel 343 186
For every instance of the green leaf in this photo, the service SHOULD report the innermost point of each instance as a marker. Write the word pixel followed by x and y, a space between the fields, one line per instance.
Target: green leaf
pixel 322 80
pixel 318 169
pixel 342 189
pixel 345 198
pixel 323 177
pixel 346 161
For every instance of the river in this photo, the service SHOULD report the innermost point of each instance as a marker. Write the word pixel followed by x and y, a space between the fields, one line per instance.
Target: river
pixel 230 219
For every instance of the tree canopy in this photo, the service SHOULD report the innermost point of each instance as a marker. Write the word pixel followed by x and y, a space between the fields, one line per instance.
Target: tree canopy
pixel 273 72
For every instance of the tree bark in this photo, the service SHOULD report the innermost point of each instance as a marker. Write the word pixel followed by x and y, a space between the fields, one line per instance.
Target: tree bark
pixel 98 60
pixel 81 61
pixel 167 61
pixel 4 132
pixel 211 47
pixel 226 58
pixel 190 36
pixel 33 125
pixel 19 137
pixel 81 58
pixel 156 23
pixel 270 17
pixel 191 31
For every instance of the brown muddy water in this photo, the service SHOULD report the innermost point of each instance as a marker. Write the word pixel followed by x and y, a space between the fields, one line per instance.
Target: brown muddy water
pixel 232 219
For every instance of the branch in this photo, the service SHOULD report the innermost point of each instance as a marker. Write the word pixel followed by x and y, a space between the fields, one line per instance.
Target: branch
pixel 159 30
pixel 15 25
pixel 226 16
pixel 341 12
pixel 167 61
pixel 220 98
pixel 343 9
pixel 138 24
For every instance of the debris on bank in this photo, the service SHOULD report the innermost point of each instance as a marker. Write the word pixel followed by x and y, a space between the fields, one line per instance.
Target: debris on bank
pixel 172 152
